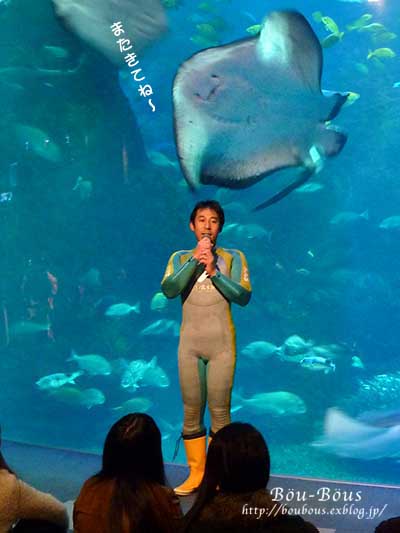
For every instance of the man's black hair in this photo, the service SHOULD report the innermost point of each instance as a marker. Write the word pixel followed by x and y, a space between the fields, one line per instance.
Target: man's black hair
pixel 209 204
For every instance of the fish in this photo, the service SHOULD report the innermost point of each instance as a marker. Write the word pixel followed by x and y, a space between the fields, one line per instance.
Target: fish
pixel 144 22
pixel 28 328
pixel 54 381
pixel 158 302
pixel 68 395
pixel 317 16
pixel 207 30
pixel 235 209
pixel 356 362
pixel 91 278
pixel 330 25
pixel 247 109
pixel 361 68
pixel 346 437
pixel 161 327
pixel 278 403
pixel 154 375
pixel 353 97
pixel 260 350
pixel 303 271
pixel 77 397
pixel 396 85
pixel 360 22
pixel 253 232
pixel 348 217
pixel 122 309
pixel 381 53
pixel 144 373
pixel 83 187
pixel 167 429
pixel 331 39
pixel 295 345
pixel 247 232
pixel 328 351
pixel 39 142
pixel 254 29
pixel 219 23
pixel 310 188
pixel 27 77
pixel 92 397
pixel 381 389
pixel 384 37
pixel 93 364
pixel 391 223
pixel 137 404
pixel 375 27
pixel 57 52
pixel 315 362
pixel 204 42
pixel 133 374
pixel 160 159
pixel 206 6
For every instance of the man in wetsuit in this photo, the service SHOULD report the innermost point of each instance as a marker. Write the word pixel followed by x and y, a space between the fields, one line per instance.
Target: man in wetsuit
pixel 208 279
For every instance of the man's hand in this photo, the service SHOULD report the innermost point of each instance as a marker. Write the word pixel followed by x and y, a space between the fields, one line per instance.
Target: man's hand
pixel 208 260
pixel 203 245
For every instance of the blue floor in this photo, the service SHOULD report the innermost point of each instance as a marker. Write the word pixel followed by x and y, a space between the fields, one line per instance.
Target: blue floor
pixel 340 507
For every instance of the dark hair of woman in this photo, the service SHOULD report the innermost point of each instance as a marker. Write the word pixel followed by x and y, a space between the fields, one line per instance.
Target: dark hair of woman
pixel 132 457
pixel 3 464
pixel 237 462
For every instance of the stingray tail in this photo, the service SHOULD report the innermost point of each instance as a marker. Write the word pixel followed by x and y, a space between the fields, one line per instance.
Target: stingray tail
pixel 304 176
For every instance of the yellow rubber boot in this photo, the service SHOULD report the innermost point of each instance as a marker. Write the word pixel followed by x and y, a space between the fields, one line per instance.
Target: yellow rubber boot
pixel 196 458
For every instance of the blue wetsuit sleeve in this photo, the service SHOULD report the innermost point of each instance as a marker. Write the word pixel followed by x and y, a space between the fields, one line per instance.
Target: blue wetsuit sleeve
pixel 178 275
pixel 235 288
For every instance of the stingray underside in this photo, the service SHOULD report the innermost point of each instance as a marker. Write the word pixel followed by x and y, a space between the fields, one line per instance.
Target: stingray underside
pixel 248 109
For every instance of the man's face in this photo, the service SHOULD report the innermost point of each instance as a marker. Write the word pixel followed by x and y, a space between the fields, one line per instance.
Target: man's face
pixel 206 222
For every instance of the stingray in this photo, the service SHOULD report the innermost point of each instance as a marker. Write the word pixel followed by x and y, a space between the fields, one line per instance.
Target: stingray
pixel 347 437
pixel 143 21
pixel 247 109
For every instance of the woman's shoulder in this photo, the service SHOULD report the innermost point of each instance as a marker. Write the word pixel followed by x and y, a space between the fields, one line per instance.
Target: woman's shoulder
pixel 94 486
pixel 165 492
pixel 8 481
pixel 170 499
pixel 253 511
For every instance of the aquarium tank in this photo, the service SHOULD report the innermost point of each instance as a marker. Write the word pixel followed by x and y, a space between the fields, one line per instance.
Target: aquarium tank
pixel 116 119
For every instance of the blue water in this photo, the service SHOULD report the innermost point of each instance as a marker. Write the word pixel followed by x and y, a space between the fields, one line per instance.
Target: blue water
pixel 331 284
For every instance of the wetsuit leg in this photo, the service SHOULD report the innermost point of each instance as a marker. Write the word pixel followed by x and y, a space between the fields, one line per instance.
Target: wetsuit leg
pixel 221 369
pixel 192 377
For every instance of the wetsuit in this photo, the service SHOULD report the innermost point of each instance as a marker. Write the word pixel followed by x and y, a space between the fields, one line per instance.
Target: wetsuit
pixel 207 351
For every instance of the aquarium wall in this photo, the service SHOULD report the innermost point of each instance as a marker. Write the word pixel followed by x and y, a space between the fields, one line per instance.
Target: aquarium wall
pixel 100 167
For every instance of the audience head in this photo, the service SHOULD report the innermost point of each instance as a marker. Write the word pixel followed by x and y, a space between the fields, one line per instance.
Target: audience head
pixel 237 462
pixel 132 450
pixel 392 525
pixel 238 459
